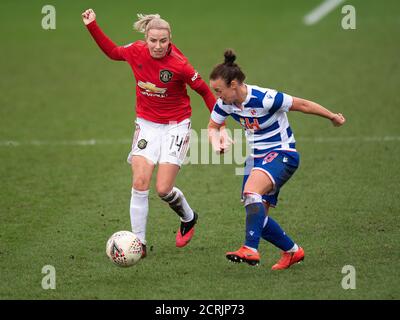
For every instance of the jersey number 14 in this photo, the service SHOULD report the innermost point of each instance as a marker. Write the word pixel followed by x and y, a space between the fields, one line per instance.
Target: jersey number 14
pixel 250 125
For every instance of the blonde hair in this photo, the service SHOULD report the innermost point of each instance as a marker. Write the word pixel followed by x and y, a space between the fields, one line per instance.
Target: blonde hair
pixel 151 21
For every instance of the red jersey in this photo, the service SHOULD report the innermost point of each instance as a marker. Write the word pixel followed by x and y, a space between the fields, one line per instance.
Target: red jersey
pixel 161 94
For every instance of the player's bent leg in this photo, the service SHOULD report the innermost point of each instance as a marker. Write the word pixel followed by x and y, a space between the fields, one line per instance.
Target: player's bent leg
pixel 259 182
pixel 142 171
pixel 271 231
pixel 176 200
pixel 166 176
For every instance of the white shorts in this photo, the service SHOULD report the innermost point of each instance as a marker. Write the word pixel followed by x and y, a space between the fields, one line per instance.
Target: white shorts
pixel 161 143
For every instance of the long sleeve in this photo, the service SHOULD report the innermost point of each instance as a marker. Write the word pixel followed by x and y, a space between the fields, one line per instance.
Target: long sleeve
pixel 207 95
pixel 106 45
pixel 194 80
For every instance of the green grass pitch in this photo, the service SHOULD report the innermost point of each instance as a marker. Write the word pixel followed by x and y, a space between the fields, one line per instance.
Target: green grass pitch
pixel 60 201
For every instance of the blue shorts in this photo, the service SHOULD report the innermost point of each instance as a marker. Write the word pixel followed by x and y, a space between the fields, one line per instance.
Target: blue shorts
pixel 279 165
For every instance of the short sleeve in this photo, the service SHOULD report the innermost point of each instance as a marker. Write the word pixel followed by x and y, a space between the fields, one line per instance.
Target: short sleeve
pixel 220 112
pixel 275 100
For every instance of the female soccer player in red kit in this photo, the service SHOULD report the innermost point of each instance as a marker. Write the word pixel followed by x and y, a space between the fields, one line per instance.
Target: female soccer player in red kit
pixel 163 117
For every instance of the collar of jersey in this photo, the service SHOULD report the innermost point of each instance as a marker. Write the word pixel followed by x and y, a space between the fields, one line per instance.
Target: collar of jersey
pixel 248 97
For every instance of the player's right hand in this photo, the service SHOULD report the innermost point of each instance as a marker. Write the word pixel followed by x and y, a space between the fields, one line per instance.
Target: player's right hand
pixel 219 139
pixel 338 120
pixel 88 16
pixel 215 139
pixel 225 140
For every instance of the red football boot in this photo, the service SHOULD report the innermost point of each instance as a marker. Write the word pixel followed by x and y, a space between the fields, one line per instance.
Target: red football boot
pixel 289 258
pixel 185 232
pixel 244 254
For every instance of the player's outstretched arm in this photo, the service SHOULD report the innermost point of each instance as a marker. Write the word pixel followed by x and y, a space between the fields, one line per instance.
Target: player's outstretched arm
pixel 105 44
pixel 311 107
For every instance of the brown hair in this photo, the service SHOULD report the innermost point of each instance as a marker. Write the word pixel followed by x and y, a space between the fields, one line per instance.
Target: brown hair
pixel 228 70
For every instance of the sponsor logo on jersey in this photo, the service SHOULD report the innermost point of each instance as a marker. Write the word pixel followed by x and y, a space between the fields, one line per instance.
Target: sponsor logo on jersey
pixel 165 76
pixel 151 87
pixel 142 144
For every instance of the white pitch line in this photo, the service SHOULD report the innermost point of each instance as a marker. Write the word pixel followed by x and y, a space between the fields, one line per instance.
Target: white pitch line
pixel 90 142
pixel 350 139
pixel 97 142
pixel 321 11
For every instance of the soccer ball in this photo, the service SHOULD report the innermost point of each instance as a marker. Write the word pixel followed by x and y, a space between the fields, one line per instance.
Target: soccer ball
pixel 124 248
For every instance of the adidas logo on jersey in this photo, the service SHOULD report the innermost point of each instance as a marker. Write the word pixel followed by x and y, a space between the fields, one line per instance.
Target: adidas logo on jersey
pixel 195 76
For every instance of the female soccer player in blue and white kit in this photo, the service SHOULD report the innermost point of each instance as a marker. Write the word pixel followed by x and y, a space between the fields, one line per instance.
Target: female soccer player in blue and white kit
pixel 273 160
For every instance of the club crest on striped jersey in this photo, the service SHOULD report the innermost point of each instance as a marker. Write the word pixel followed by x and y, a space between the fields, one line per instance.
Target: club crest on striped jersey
pixel 165 76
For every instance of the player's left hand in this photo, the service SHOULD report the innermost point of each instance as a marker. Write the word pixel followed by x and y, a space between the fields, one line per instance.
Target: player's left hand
pixel 338 120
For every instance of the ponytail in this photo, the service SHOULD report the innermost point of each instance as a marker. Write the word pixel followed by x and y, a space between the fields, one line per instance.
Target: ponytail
pixel 150 21
pixel 230 57
pixel 228 70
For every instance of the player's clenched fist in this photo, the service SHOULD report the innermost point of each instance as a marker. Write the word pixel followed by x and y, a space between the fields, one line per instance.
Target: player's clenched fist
pixel 88 16
pixel 338 120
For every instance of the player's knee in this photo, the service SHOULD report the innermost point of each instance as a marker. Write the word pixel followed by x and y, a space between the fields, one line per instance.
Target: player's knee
pixel 140 184
pixel 163 189
pixel 250 198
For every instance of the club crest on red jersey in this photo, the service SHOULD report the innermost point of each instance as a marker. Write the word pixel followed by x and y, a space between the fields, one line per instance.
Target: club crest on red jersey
pixel 165 76
pixel 142 144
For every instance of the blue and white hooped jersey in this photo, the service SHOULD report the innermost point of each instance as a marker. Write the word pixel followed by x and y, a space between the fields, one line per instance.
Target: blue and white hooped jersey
pixel 263 116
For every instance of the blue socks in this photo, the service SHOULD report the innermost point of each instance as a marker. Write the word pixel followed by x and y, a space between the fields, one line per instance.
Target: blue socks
pixel 273 233
pixel 255 216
